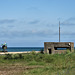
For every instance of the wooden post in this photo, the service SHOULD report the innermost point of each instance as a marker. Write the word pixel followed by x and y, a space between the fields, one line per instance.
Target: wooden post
pixel 59 31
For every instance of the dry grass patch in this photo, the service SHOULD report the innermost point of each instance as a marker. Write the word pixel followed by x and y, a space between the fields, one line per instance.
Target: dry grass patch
pixel 16 69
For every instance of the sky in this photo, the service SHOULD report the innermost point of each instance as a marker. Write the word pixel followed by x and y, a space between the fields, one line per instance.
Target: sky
pixel 30 23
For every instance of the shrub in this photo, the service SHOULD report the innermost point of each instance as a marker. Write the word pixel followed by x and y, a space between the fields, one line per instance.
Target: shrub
pixel 33 52
pixel 21 56
pixel 48 58
pixel 39 57
pixel 68 51
pixel 18 56
pixel 8 56
pixel 28 57
pixel 41 51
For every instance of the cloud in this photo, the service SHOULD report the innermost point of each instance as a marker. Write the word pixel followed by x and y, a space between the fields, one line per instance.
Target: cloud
pixel 34 22
pixel 70 21
pixel 7 21
pixel 67 33
pixel 26 33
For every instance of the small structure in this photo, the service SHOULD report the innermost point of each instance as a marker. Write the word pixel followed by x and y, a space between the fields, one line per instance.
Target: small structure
pixel 58 47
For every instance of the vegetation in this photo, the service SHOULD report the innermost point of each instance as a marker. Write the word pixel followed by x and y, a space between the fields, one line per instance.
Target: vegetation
pixel 37 64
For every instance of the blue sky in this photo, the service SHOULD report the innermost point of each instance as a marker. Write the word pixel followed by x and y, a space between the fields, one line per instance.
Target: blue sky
pixel 30 23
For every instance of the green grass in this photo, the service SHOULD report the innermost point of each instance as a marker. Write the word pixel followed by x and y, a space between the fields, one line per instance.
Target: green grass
pixel 41 64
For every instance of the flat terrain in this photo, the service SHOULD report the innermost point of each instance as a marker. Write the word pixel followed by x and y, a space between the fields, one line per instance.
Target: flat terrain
pixel 37 64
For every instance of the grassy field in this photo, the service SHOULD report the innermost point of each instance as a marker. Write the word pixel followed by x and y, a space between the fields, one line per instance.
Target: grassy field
pixel 37 64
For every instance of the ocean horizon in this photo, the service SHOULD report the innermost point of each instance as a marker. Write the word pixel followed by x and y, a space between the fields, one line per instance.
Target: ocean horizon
pixel 22 49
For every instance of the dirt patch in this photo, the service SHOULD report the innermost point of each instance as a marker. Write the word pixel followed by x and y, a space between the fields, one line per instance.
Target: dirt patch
pixel 15 70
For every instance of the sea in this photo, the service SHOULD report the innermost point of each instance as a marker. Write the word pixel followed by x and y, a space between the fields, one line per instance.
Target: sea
pixel 22 49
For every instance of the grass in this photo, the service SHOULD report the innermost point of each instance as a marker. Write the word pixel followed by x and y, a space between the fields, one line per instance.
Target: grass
pixel 37 64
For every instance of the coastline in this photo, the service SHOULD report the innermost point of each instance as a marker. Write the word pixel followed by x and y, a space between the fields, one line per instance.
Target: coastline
pixel 18 52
